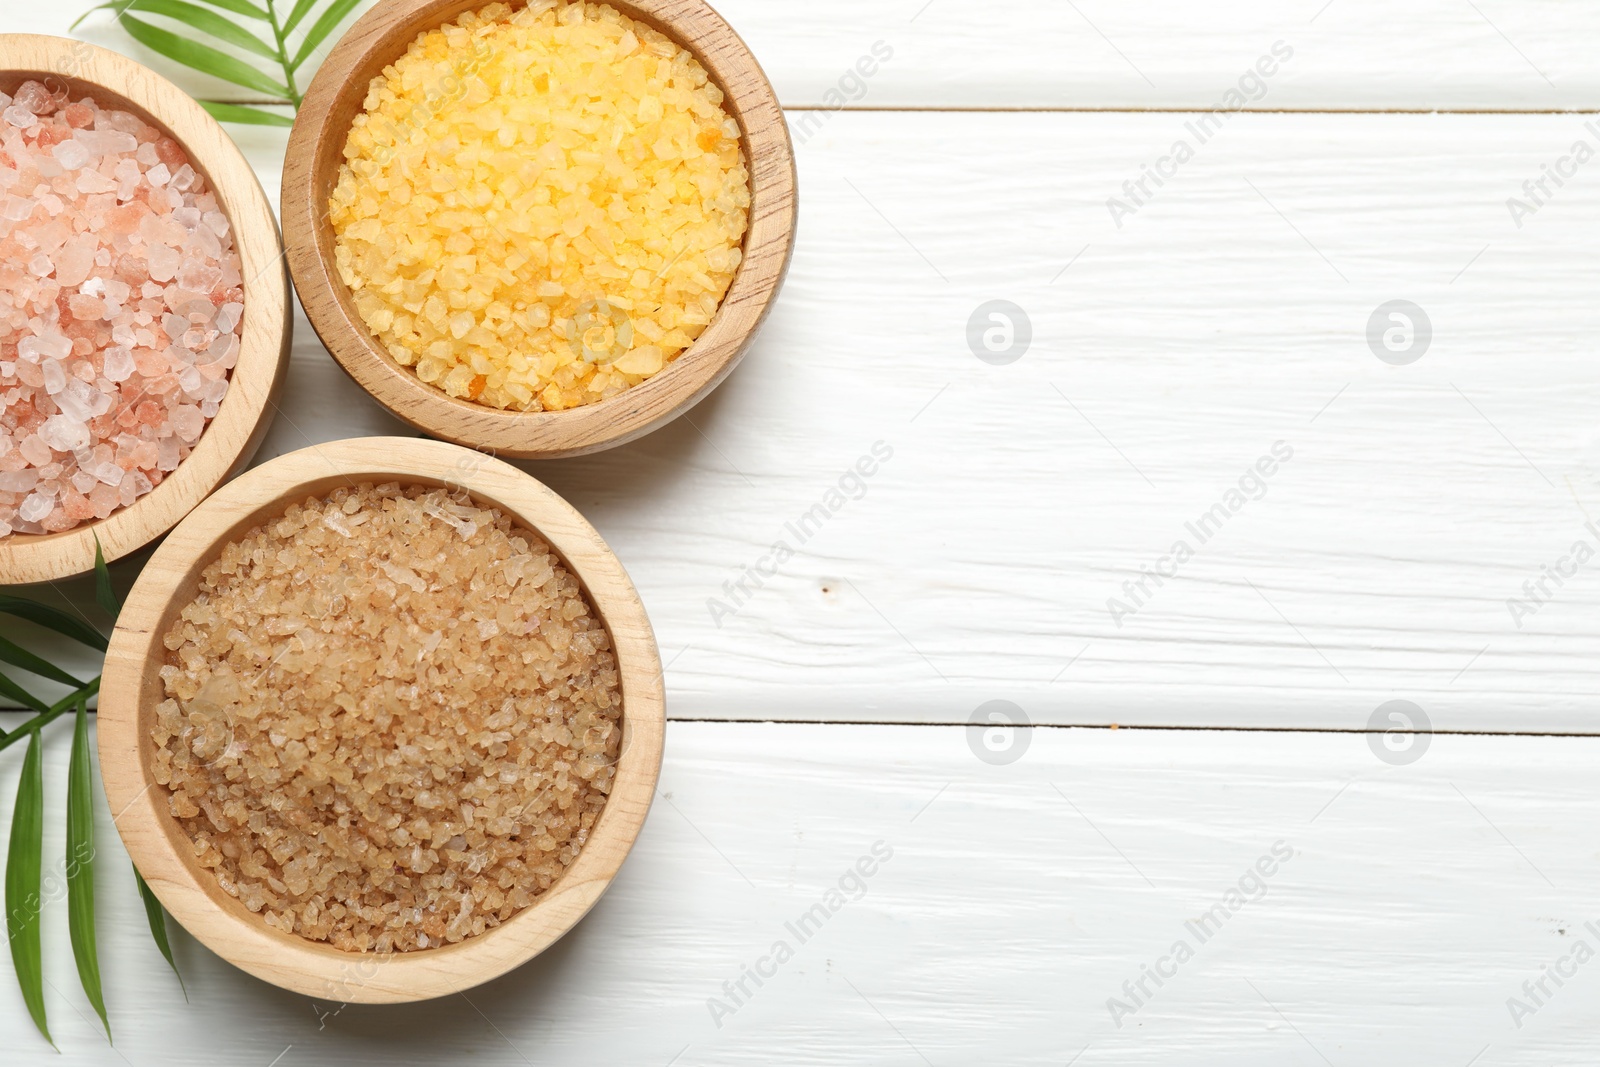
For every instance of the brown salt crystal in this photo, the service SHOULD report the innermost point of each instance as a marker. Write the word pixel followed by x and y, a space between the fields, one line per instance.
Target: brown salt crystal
pixel 357 744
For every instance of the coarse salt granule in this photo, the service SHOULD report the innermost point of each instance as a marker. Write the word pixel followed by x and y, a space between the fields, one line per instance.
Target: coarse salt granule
pixel 120 309
pixel 540 207
pixel 392 718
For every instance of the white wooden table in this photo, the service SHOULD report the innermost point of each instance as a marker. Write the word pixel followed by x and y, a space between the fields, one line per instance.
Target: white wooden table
pixel 1341 899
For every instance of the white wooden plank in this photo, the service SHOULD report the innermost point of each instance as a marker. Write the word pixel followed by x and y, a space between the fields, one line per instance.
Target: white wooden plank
pixel 1017 901
pixel 1348 54
pixel 1227 314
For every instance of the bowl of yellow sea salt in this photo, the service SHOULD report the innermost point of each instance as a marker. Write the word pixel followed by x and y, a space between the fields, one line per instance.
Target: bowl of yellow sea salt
pixel 539 229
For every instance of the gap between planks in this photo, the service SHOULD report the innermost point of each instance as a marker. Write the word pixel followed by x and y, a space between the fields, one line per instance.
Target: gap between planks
pixel 1044 110
pixel 1108 726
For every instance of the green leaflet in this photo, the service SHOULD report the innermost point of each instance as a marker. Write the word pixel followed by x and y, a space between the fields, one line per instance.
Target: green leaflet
pixel 23 902
pixel 158 926
pixel 241 7
pixel 189 19
pixel 302 8
pixel 206 21
pixel 248 116
pixel 104 595
pixel 56 710
pixel 202 57
pixel 320 30
pixel 52 619
pixel 44 719
pixel 80 866
pixel 21 657
pixel 19 694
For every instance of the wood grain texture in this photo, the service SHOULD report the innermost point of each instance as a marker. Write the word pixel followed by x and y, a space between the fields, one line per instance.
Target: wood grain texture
pixel 1167 357
pixel 1350 54
pixel 316 151
pixel 1017 901
pixel 231 438
pixel 132 688
pixel 1192 338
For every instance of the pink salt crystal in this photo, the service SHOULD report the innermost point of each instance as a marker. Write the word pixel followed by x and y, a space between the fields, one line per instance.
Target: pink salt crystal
pixel 163 262
pixel 70 154
pixel 45 346
pixel 170 152
pixel 118 363
pixel 35 451
pixel 187 422
pixel 105 331
pixel 64 433
pixel 76 506
pixel 106 142
pixel 36 507
pixel 104 500
pixel 35 97
pixel 55 379
pixel 76 260
pixel 86 307
pixel 19 481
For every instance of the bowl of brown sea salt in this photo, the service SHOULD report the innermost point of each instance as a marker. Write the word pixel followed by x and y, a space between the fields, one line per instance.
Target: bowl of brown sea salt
pixel 381 719
pixel 144 316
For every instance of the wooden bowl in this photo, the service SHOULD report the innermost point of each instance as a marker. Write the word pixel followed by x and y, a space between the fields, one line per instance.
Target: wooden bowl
pixel 311 168
pixel 132 688
pixel 233 436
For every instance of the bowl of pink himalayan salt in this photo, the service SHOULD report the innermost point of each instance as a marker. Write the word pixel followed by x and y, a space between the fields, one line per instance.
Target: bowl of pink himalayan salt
pixel 144 314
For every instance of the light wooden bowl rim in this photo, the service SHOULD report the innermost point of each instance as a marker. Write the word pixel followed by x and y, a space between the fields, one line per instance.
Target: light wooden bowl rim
pixel 132 687
pixel 315 151
pixel 232 437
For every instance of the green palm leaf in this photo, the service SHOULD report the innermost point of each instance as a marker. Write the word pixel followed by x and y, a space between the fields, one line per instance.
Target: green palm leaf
pixel 248 116
pixel 18 656
pixel 80 867
pixel 302 8
pixel 52 619
pixel 207 22
pixel 104 595
pixel 202 57
pixel 321 28
pixel 21 695
pixel 198 18
pixel 23 901
pixel 158 926
pixel 189 17
pixel 240 7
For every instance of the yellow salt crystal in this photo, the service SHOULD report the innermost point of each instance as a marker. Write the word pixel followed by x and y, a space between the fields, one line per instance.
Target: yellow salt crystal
pixel 578 156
